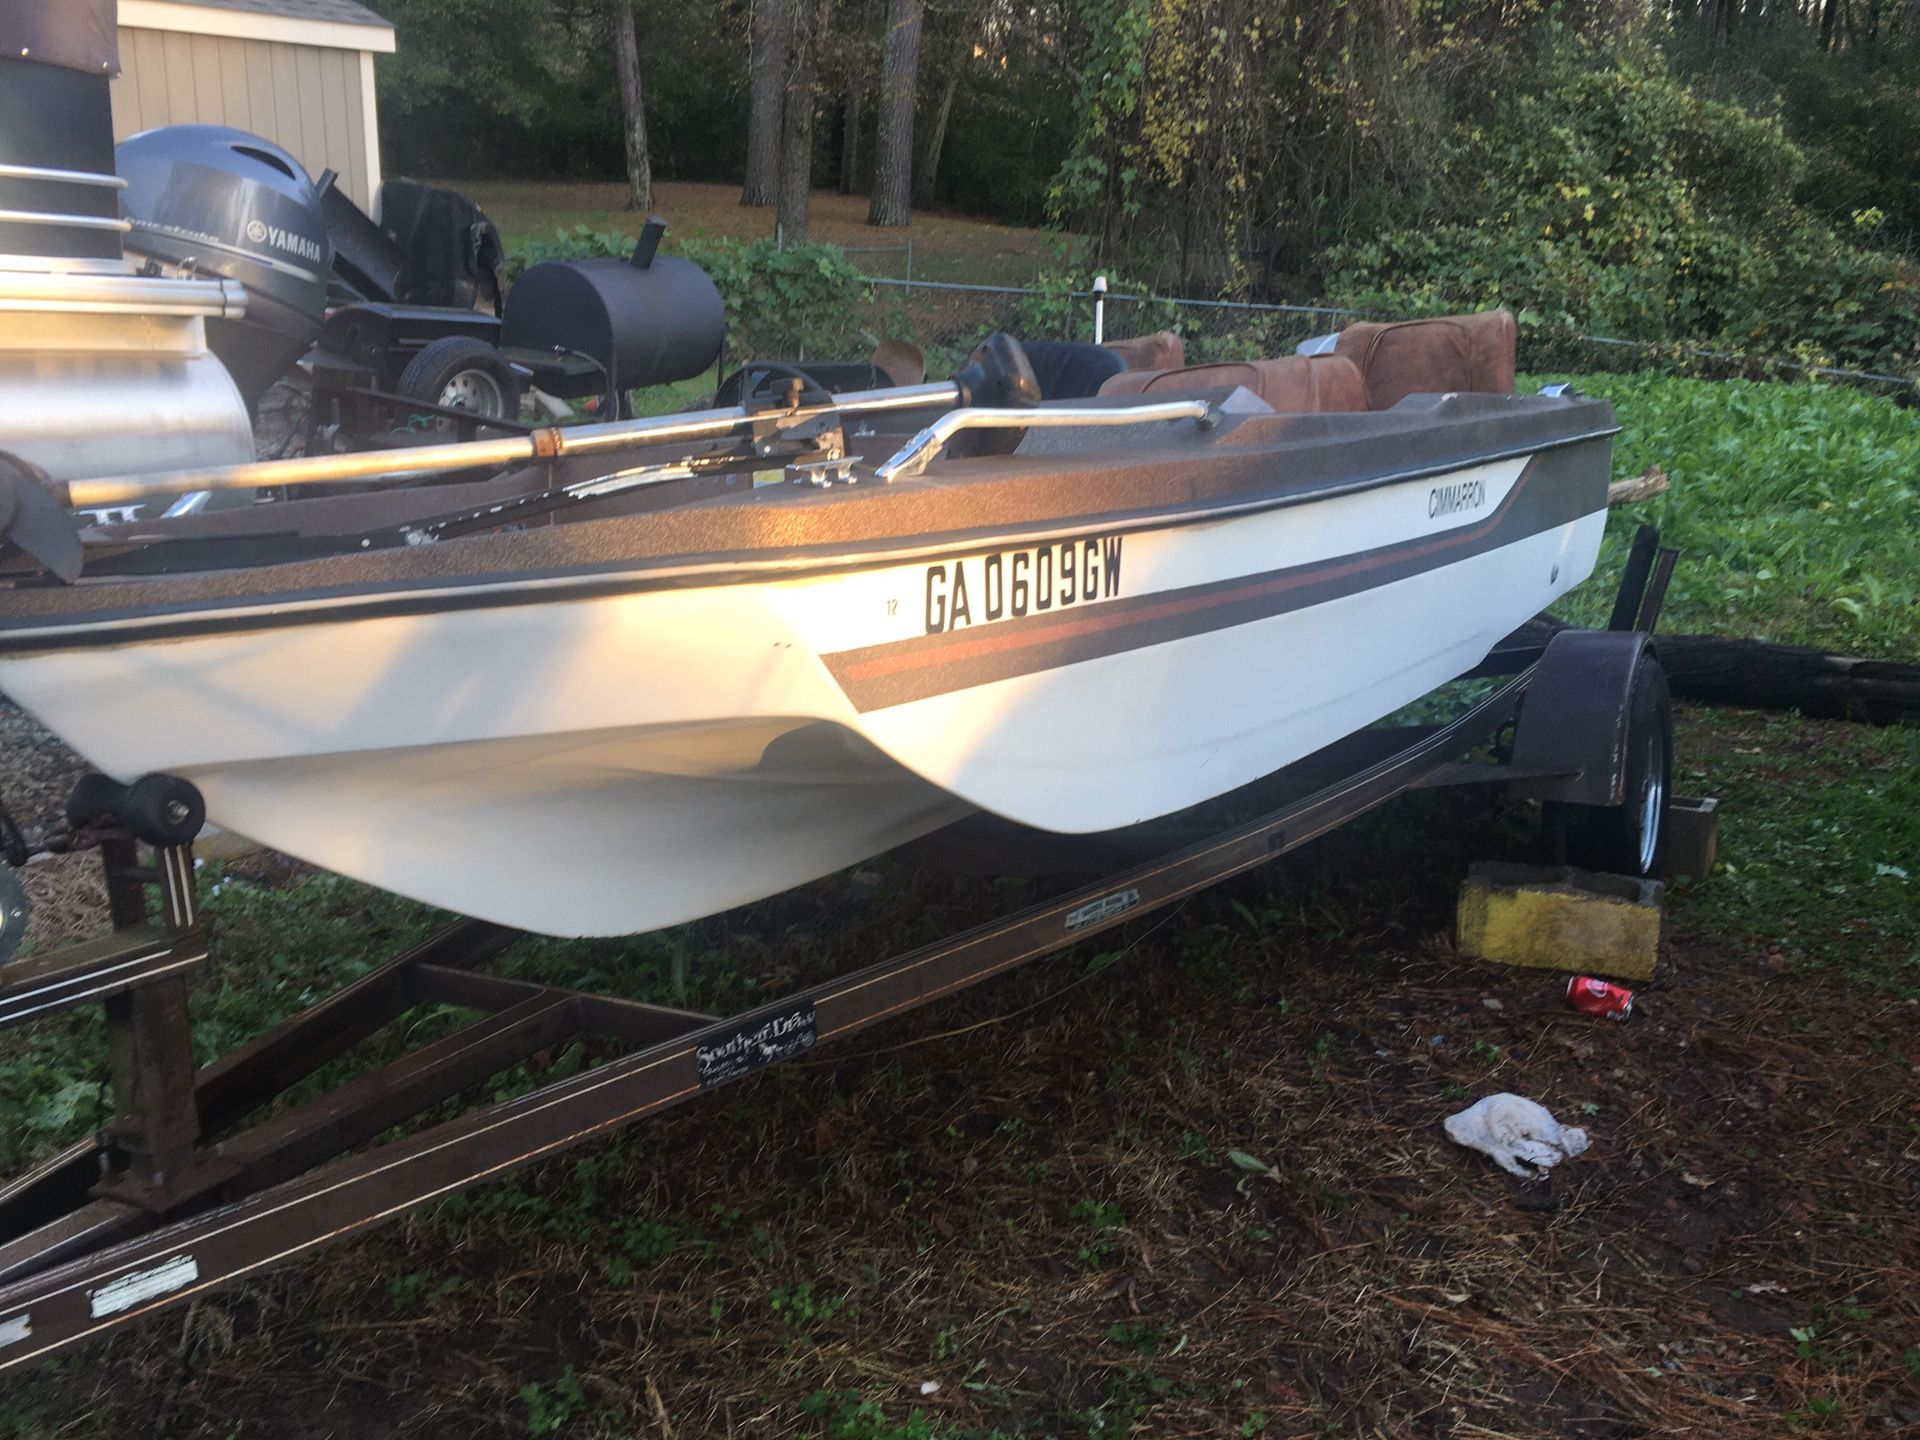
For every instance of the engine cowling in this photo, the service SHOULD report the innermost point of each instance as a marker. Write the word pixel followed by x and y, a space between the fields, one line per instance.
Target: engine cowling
pixel 225 203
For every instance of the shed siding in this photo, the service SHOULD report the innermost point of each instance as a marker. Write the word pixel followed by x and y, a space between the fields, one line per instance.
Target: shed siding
pixel 301 96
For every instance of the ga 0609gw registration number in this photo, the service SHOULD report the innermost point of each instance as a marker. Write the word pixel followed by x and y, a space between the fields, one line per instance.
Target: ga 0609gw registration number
pixel 1011 583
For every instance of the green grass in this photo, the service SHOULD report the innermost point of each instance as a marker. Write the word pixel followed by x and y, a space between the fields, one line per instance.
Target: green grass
pixel 1819 847
pixel 1793 506
pixel 945 246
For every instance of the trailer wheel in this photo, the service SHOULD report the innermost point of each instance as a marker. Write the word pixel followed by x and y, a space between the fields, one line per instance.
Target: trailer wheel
pixel 459 372
pixel 1629 838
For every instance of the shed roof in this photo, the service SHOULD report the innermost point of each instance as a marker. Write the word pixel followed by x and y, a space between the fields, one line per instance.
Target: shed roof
pixel 339 24
pixel 335 12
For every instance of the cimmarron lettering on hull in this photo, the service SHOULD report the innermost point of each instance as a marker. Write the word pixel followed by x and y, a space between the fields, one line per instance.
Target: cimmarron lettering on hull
pixel 1452 499
pixel 1012 583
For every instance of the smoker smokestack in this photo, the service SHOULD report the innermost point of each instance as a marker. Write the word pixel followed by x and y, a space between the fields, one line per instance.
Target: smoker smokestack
pixel 57 186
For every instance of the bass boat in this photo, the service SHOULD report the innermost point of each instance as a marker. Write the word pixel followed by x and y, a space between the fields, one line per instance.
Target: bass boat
pixel 602 678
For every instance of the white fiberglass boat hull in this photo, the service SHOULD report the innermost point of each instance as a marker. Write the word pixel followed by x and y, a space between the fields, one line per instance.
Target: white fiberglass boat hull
pixel 604 764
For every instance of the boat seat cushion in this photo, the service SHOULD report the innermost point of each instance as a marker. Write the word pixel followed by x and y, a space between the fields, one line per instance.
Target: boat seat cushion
pixel 1293 385
pixel 1432 357
pixel 1068 371
pixel 1162 350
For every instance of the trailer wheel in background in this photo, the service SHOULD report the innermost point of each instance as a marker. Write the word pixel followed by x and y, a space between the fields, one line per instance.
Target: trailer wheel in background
pixel 458 372
pixel 1629 838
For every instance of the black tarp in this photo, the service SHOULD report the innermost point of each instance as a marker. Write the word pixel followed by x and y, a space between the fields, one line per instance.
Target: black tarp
pixel 72 34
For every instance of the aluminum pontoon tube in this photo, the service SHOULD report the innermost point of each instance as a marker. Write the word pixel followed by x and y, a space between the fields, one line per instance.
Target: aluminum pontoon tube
pixel 392 466
pixel 914 456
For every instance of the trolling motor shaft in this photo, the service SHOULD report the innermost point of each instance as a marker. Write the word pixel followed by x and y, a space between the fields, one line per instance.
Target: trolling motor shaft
pixel 997 373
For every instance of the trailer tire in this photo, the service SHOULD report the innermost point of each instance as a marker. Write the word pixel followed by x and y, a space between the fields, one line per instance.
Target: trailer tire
pixel 1629 838
pixel 459 372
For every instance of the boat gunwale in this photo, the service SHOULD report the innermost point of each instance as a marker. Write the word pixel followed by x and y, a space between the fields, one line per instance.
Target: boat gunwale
pixel 192 617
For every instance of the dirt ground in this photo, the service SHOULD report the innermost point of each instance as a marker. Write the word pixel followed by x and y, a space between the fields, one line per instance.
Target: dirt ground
pixel 1191 1185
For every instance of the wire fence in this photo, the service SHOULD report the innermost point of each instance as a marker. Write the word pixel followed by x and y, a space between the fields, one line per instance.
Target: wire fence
pixel 947 318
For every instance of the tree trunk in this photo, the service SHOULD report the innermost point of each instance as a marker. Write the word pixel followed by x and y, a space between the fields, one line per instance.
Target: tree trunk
pixel 633 107
pixel 929 173
pixel 850 139
pixel 805 26
pixel 893 167
pixel 1714 671
pixel 767 73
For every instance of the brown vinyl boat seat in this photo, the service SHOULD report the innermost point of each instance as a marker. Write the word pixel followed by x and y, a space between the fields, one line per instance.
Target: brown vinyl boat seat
pixel 1432 357
pixel 1293 385
pixel 1373 366
pixel 1162 350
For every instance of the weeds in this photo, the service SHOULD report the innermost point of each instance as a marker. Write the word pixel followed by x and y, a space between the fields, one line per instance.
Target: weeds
pixel 551 1406
pixel 1103 1221
pixel 1831 1340
pixel 799 1308
pixel 1789 505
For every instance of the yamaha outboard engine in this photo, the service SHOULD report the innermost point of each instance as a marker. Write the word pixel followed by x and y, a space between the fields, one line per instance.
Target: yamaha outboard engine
pixel 210 200
pixel 102 371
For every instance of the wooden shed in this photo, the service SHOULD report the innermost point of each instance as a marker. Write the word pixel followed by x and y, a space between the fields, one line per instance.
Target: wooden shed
pixel 299 72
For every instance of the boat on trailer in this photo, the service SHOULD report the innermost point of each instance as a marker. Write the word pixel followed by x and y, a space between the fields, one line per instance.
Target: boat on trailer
pixel 722 654
pixel 597 678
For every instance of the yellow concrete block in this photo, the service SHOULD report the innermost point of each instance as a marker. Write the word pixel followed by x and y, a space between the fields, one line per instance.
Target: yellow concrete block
pixel 1559 918
pixel 213 843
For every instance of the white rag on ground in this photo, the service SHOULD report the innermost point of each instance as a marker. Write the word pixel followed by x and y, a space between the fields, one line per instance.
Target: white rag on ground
pixel 1517 1133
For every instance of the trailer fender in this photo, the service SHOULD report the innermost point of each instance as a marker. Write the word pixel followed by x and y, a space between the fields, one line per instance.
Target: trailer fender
pixel 1573 721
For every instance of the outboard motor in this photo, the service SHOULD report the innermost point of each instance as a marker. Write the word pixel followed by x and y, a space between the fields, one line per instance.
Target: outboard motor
pixel 211 200
pixel 102 371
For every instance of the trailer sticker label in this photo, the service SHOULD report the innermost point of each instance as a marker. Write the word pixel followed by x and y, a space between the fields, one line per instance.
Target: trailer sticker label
pixel 1009 584
pixel 1105 908
pixel 142 1285
pixel 13 1331
pixel 755 1045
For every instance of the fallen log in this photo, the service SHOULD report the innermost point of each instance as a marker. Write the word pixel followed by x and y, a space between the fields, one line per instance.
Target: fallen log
pixel 1713 670
pixel 1716 671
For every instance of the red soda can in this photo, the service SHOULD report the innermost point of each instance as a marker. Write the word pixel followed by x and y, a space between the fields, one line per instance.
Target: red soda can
pixel 1599 997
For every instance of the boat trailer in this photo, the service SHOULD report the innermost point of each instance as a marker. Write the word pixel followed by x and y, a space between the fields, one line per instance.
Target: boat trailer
pixel 169 1199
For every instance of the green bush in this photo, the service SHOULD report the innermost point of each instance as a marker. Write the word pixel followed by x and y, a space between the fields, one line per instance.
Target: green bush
pixel 1615 200
pixel 578 242
pixel 795 303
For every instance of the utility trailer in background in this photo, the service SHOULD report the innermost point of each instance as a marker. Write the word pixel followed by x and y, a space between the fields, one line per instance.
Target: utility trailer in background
pixel 171 1199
